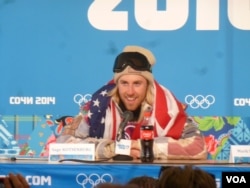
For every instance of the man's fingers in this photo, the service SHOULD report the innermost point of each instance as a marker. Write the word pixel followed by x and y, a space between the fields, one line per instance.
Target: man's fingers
pixel 7 183
pixel 16 181
pixel 23 181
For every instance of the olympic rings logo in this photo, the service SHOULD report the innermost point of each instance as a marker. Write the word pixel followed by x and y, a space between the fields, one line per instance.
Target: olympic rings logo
pixel 201 101
pixel 93 179
pixel 82 99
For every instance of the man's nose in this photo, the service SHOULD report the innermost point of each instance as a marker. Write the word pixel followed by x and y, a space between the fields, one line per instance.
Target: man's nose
pixel 130 90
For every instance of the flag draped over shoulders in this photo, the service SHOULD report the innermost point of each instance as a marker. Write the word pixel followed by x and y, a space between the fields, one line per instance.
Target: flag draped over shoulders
pixel 169 112
pixel 97 110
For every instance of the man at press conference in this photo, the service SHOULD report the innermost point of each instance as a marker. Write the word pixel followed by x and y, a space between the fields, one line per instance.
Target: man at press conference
pixel 134 89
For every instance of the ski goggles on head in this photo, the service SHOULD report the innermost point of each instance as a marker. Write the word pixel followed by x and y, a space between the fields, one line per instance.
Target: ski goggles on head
pixel 133 59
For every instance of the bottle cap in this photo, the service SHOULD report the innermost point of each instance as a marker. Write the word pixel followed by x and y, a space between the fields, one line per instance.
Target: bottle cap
pixel 147 113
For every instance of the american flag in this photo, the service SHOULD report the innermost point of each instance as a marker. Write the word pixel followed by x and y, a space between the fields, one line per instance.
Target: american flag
pixel 97 110
pixel 100 101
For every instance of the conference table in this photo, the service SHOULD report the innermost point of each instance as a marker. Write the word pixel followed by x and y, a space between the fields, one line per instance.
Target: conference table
pixel 87 174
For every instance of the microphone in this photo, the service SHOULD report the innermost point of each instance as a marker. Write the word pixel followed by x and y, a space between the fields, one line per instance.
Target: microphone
pixel 127 116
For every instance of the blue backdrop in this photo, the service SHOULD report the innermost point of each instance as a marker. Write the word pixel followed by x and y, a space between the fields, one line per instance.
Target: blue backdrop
pixel 52 50
pixel 55 53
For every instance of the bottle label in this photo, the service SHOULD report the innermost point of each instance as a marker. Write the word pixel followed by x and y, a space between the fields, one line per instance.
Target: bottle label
pixel 147 134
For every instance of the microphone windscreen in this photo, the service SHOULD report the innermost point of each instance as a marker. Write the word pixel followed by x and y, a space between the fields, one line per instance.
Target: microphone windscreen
pixel 128 115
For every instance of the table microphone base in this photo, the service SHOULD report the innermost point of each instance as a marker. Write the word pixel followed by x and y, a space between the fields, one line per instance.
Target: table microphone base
pixel 120 157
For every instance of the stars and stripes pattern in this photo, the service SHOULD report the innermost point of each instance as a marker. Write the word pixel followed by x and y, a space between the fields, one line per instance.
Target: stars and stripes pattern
pixel 164 103
pixel 97 110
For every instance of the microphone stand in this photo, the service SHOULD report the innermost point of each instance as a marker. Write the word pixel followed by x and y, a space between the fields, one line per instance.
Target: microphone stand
pixel 121 157
pixel 127 116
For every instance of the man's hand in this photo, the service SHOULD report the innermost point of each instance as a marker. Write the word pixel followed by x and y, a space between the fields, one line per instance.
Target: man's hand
pixel 15 181
pixel 135 149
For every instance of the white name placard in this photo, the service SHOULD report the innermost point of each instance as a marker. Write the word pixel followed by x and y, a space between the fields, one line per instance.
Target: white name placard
pixel 82 151
pixel 239 154
pixel 123 147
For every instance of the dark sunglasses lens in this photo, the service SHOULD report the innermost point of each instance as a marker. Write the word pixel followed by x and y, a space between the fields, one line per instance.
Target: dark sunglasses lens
pixel 133 59
pixel 138 63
